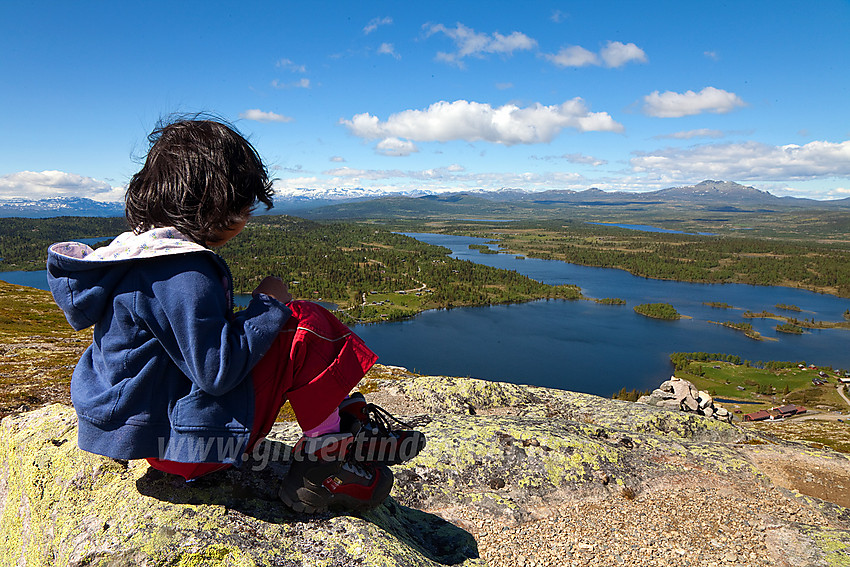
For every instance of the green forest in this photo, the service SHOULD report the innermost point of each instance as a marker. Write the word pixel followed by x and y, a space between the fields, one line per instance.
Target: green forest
pixel 371 274
pixel 375 274
pixel 658 311
pixel 822 267
pixel 789 328
pixel 24 242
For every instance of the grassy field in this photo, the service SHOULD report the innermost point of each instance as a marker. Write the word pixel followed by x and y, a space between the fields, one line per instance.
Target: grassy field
pixel 759 389
pixel 763 389
pixel 385 306
pixel 38 349
pixel 815 433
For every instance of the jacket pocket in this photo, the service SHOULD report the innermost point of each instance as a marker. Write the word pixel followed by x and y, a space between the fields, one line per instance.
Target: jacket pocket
pixel 200 411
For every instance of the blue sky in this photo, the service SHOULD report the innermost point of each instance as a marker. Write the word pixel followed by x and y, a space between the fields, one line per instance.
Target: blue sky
pixel 355 97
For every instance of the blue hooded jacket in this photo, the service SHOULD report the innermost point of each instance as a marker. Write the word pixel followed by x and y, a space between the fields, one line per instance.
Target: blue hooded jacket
pixel 168 371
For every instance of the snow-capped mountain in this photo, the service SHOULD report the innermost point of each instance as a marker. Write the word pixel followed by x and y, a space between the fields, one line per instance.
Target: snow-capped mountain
pixel 295 201
pixel 59 207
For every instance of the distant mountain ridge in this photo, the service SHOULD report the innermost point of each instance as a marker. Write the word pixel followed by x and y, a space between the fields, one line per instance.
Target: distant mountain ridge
pixel 709 195
pixel 59 207
pixel 708 190
pixel 347 202
pixel 705 191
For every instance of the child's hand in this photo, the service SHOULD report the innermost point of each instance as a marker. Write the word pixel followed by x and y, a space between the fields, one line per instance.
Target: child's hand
pixel 274 287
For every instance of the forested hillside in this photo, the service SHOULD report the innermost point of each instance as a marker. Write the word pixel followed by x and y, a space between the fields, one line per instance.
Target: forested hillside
pixel 24 242
pixel 372 274
pixel 823 267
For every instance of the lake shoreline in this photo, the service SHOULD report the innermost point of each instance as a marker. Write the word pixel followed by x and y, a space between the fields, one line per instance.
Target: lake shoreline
pixel 580 346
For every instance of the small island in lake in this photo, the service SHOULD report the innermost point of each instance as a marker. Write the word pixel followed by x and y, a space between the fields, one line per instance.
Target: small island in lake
pixel 760 315
pixel 718 304
pixel 611 301
pixel 789 328
pixel 747 329
pixel 483 249
pixel 658 311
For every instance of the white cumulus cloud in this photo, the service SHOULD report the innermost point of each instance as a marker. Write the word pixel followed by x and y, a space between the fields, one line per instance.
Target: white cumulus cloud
pixel 302 83
pixel 396 147
pixel 558 16
pixel 749 161
pixel 470 43
pixel 374 23
pixel 45 184
pixel 617 54
pixel 671 104
pixel 450 178
pixel 358 175
pixel 293 185
pixel 573 56
pixel 291 66
pixel 388 49
pixel 258 115
pixel 614 54
pixel 474 121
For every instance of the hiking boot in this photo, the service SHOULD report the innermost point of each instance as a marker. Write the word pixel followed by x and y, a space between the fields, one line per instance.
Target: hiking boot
pixel 323 476
pixel 374 439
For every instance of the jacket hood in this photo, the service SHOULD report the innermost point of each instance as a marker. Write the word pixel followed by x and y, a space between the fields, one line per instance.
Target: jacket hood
pixel 83 280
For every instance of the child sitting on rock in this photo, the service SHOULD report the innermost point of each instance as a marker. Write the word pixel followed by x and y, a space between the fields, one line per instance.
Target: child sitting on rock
pixel 175 377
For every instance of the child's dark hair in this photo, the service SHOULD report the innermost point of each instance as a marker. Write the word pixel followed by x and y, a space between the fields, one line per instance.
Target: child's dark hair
pixel 200 176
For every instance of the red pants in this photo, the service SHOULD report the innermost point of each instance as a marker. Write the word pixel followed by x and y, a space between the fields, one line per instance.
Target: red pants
pixel 314 363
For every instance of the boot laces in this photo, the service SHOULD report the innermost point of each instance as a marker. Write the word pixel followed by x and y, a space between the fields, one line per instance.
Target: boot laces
pixel 381 419
pixel 353 466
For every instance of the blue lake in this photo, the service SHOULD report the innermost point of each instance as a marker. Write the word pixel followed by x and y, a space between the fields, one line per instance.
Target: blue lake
pixel 94 240
pixel 585 346
pixel 38 280
pixel 648 228
pixel 588 347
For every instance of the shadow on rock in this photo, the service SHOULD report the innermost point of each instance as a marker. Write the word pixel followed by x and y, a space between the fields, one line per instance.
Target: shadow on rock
pixel 435 538
pixel 252 490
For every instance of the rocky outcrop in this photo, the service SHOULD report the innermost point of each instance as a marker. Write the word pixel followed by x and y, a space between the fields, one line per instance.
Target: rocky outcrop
pixel 679 394
pixel 507 452
pixel 62 506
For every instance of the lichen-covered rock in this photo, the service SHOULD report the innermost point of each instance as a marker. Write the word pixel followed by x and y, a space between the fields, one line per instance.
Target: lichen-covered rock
pixel 519 449
pixel 503 451
pixel 516 452
pixel 62 506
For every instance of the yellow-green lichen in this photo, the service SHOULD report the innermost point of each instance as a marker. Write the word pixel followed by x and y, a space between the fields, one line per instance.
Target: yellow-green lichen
pixel 833 544
pixel 213 555
pixel 63 506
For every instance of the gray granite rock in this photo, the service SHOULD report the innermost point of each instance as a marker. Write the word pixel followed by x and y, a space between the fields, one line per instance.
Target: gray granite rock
pixel 504 451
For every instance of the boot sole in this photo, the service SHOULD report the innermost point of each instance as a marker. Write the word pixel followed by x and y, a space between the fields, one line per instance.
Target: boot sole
pixel 313 499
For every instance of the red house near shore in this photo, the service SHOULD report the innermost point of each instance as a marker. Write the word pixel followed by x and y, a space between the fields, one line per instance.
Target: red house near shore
pixel 775 413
